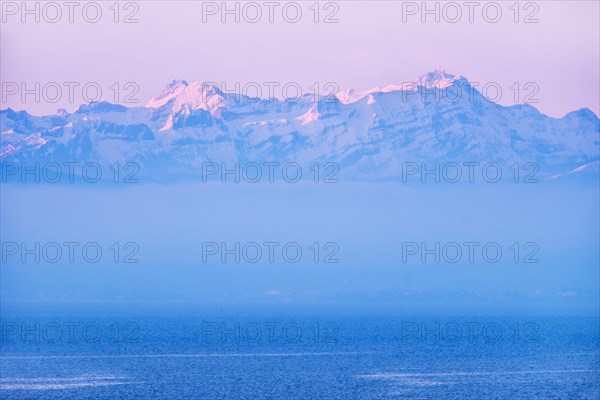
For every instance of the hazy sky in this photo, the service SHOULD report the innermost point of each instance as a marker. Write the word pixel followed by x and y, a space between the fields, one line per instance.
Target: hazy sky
pixel 369 46
pixel 368 222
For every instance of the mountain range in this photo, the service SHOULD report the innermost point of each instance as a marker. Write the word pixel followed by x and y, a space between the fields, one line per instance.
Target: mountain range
pixel 369 134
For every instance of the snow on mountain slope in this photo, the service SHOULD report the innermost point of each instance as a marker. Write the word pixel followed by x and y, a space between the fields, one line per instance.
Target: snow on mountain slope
pixel 368 133
pixel 432 80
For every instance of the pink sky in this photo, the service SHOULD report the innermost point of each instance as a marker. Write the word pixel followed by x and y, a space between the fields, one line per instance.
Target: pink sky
pixel 369 46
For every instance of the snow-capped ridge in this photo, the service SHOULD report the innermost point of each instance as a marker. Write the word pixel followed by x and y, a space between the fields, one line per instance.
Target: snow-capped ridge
pixel 181 97
pixel 432 80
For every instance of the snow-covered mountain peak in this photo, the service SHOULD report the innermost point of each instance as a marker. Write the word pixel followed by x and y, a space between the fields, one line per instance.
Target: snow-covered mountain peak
pixel 181 96
pixel 438 79
pixel 174 85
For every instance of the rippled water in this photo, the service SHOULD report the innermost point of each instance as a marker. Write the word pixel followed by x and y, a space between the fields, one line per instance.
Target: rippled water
pixel 303 356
